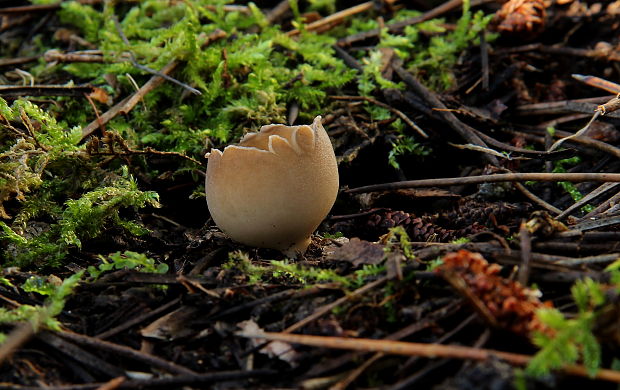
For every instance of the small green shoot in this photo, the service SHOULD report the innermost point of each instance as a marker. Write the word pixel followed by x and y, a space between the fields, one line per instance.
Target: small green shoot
pixel 44 315
pixel 397 237
pixel 127 260
pixel 569 187
pixel 573 339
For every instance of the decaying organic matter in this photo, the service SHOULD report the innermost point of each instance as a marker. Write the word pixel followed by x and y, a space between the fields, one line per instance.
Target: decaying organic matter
pixel 456 223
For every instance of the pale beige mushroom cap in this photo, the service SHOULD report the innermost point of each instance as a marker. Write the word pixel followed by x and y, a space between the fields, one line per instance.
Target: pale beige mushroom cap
pixel 275 187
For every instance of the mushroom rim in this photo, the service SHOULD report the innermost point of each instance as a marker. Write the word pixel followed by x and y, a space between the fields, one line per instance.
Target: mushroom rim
pixel 292 143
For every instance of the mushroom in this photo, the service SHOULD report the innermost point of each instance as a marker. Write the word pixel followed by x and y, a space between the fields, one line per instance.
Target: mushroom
pixel 274 188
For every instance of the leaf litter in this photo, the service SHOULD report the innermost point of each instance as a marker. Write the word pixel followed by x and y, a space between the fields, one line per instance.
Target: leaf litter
pixel 113 275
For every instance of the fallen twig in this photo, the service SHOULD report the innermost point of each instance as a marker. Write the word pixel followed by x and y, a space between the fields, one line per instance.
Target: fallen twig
pixel 424 350
pixel 45 90
pixel 126 352
pixel 18 337
pixel 450 118
pixel 399 26
pixel 497 178
pixel 163 383
pixel 399 113
pixel 334 18
pixel 130 102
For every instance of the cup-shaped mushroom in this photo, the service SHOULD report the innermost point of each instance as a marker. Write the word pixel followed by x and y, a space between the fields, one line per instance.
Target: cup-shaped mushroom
pixel 274 188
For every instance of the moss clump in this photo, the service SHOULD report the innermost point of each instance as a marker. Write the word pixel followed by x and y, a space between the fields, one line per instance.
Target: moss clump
pixel 60 196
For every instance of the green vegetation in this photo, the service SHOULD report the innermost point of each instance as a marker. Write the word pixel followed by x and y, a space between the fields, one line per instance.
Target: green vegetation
pixel 573 339
pixel 284 270
pixel 127 260
pixel 43 315
pixel 560 167
pixel 398 239
pixel 56 191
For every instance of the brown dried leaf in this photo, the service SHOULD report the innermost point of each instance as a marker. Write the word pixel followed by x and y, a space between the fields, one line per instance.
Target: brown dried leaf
pixel 100 95
pixel 359 252
pixel 172 326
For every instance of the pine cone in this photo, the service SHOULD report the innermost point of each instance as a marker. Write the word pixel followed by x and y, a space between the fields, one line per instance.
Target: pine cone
pixel 470 212
pixel 418 229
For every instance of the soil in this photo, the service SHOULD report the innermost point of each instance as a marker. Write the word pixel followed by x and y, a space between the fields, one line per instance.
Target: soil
pixel 196 326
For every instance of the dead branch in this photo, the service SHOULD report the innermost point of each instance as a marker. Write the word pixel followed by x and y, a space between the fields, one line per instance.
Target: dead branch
pixel 424 350
pixel 497 178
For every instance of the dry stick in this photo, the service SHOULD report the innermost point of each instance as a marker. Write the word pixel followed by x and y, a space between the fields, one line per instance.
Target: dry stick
pixel 586 225
pixel 614 56
pixel 136 64
pixel 44 90
pixel 402 116
pixel 344 383
pixel 146 151
pixel 127 104
pixel 449 117
pixel 606 258
pixel 577 134
pixel 586 199
pixel 559 50
pixel 534 198
pixel 427 322
pixel 276 12
pixel 277 297
pixel 85 358
pixel 556 107
pixel 597 82
pixel 561 120
pixel 424 350
pixel 112 384
pixel 96 111
pixel 484 60
pixel 594 143
pixel 445 337
pixel 40 7
pixel 525 240
pixel 497 178
pixel 321 311
pixel 399 26
pixel 586 141
pixel 127 352
pixel 601 207
pixel 88 56
pixel 134 321
pixel 18 337
pixel 336 17
pixel 17 60
pixel 609 107
pixel 170 382
pixel 556 155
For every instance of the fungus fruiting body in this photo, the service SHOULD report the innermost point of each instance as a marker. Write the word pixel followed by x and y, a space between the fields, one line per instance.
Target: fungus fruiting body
pixel 275 187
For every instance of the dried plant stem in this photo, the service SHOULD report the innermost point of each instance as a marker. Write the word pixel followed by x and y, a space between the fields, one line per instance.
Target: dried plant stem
pixel 424 350
pixel 127 352
pixel 336 17
pixel 433 100
pixel 18 337
pixel 531 196
pixel 502 177
pixel 112 384
pixel 398 113
pixel 321 311
pixel 127 104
